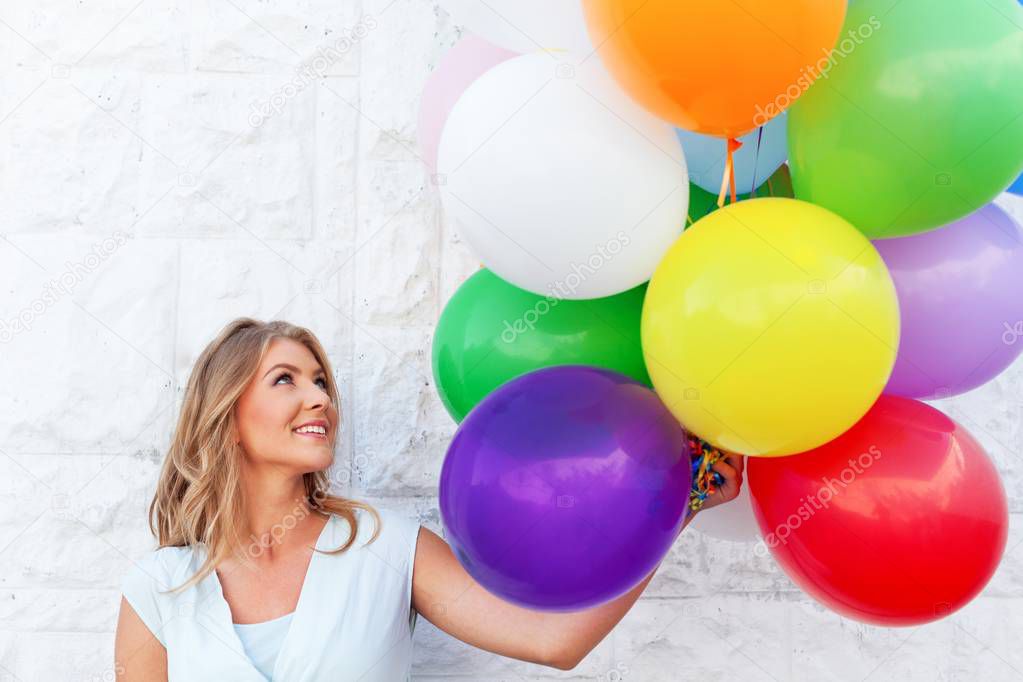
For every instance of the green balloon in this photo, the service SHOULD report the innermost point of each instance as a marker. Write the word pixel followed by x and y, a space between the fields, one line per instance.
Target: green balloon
pixel 702 202
pixel 917 121
pixel 492 331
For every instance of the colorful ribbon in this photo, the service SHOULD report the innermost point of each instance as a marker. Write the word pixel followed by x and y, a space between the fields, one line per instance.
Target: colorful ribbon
pixel 706 481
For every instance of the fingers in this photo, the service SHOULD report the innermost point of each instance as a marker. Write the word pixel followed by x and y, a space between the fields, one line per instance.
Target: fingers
pixel 733 478
pixel 736 461
pixel 725 469
pixel 732 474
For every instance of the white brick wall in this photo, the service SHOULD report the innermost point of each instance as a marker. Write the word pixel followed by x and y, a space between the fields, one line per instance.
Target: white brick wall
pixel 133 122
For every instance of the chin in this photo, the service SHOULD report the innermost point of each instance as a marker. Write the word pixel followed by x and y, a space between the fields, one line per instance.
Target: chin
pixel 309 460
pixel 313 464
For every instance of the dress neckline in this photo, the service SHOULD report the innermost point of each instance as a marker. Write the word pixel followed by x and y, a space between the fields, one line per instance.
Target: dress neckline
pixel 296 615
pixel 272 621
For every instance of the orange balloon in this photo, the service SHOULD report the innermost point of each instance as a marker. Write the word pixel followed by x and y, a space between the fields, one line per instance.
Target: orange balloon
pixel 717 67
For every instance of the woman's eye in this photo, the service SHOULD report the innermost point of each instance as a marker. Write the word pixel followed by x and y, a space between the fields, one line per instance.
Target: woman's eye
pixel 322 380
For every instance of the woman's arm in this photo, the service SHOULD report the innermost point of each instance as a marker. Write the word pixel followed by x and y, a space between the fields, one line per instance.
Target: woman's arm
pixel 446 595
pixel 138 655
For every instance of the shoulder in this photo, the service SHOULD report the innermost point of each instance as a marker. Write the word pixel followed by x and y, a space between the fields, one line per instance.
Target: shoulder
pixel 147 583
pixel 396 525
pixel 396 536
pixel 388 525
pixel 159 568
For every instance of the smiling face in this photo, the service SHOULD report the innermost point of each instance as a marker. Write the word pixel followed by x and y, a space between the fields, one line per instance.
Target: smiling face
pixel 287 392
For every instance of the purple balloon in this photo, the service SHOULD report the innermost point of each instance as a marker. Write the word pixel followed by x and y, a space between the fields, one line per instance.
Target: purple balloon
pixel 960 291
pixel 565 487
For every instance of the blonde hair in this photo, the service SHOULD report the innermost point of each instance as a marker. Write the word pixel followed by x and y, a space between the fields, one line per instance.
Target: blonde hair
pixel 199 497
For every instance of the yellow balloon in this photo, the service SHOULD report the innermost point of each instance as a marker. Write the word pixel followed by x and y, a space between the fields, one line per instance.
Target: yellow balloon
pixel 770 327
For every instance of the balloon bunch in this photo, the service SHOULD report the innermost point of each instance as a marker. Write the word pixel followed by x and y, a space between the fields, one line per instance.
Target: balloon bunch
pixel 707 228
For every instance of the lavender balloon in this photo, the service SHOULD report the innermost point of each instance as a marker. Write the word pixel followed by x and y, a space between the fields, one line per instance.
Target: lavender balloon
pixel 565 487
pixel 960 291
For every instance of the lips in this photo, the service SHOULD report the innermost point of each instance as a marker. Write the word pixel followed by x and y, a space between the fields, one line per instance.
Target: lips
pixel 318 436
pixel 322 423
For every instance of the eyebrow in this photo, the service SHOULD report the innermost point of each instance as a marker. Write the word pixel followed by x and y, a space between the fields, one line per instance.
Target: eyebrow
pixel 293 369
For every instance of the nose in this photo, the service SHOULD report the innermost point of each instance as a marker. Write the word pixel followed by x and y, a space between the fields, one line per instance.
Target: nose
pixel 316 399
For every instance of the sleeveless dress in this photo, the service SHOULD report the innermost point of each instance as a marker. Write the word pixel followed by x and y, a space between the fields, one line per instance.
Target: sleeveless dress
pixel 353 620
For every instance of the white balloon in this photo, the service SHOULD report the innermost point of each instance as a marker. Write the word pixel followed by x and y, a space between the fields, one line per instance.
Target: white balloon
pixel 731 521
pixel 559 182
pixel 525 25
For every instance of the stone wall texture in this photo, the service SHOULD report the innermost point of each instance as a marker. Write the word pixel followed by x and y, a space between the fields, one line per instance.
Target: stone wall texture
pixel 171 165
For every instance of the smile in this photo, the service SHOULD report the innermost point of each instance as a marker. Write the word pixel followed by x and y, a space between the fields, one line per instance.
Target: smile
pixel 312 434
pixel 313 430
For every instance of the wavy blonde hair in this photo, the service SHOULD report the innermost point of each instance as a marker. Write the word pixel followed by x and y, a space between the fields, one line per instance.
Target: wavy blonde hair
pixel 199 497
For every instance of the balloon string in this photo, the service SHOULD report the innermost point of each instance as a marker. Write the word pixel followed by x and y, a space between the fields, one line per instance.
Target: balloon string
pixel 728 179
pixel 756 160
pixel 705 480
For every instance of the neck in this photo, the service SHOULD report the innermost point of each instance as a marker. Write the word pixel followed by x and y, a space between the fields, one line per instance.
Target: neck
pixel 277 512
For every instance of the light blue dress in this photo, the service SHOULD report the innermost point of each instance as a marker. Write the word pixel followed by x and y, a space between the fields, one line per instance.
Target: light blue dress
pixel 262 641
pixel 353 621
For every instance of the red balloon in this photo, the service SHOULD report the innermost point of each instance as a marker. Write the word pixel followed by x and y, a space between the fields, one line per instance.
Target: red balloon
pixel 901 520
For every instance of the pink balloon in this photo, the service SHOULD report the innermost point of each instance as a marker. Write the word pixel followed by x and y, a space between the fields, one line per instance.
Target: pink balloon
pixel 469 59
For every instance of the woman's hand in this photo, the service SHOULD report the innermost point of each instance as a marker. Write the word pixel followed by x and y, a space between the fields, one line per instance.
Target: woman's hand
pixel 731 468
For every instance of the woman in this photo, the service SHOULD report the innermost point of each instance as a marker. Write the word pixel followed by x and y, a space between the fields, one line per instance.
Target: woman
pixel 237 591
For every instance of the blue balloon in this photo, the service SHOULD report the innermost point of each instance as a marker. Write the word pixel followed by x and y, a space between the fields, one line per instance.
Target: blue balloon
pixel 1017 187
pixel 763 151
